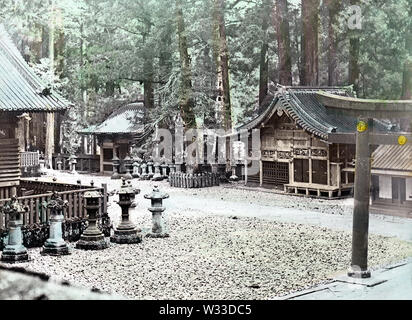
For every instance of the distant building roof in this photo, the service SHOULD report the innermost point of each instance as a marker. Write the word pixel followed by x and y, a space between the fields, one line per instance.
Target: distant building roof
pixel 303 106
pixel 128 119
pixel 393 158
pixel 20 88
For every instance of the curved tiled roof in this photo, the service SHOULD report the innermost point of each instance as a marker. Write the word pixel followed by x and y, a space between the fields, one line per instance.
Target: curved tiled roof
pixel 303 106
pixel 20 87
pixel 128 119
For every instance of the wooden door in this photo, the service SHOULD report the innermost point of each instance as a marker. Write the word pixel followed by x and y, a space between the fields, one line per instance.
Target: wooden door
pixel 320 172
pixel 398 190
pixel 301 170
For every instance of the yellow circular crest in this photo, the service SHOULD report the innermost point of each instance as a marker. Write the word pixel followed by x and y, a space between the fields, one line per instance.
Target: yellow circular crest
pixel 402 140
pixel 362 126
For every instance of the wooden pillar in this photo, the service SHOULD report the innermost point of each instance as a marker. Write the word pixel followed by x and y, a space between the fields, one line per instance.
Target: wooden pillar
pixel 246 170
pixel 291 171
pixel 20 133
pixel 310 170
pixel 49 147
pixel 310 162
pixel 338 175
pixel 328 165
pixel 261 173
pixel 101 161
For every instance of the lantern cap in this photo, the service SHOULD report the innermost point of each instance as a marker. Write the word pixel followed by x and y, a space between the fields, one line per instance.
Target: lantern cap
pixel 156 194
pixel 92 194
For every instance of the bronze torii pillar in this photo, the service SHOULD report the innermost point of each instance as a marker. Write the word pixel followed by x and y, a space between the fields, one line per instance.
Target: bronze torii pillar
pixel 365 110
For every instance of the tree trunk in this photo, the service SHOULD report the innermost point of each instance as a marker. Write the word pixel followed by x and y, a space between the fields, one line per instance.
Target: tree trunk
pixel 407 77
pixel 45 42
pixel 310 24
pixel 165 62
pixel 407 69
pixel 283 37
pixel 185 95
pixel 264 61
pixel 354 47
pixel 333 10
pixel 222 62
pixel 148 89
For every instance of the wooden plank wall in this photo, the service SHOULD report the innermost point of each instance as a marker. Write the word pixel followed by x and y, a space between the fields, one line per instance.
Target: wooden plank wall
pixel 9 162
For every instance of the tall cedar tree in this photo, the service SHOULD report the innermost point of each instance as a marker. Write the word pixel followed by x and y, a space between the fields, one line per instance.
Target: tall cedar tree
pixel 221 53
pixel 407 69
pixel 264 62
pixel 407 74
pixel 310 44
pixel 283 37
pixel 148 72
pixel 354 47
pixel 185 94
pixel 333 7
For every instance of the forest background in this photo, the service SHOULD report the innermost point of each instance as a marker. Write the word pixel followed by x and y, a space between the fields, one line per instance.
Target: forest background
pixel 212 60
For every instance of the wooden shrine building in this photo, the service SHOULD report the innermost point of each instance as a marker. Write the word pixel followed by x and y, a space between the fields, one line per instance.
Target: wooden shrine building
pixel 123 128
pixel 295 152
pixel 23 97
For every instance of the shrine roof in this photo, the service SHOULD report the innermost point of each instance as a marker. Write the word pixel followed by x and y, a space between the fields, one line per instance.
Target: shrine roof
pixel 20 88
pixel 303 105
pixel 128 119
pixel 393 157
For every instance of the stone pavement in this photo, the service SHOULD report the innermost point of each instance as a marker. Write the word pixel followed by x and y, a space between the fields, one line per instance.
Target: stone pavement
pixel 390 283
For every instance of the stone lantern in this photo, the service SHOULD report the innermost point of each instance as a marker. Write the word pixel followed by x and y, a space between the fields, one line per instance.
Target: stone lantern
pixel 150 169
pixel 126 232
pixel 164 167
pixel 127 165
pixel 59 163
pixel 144 175
pixel 157 209
pixel 172 168
pixel 73 162
pixel 136 170
pixel 14 250
pixel 157 175
pixel 116 164
pixel 55 245
pixel 92 238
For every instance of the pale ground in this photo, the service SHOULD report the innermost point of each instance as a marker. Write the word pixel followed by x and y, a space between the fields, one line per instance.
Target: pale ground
pixel 227 243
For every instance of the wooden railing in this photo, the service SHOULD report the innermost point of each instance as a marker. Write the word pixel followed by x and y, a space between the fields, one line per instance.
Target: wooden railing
pixel 42 187
pixel 85 163
pixel 38 213
pixel 29 159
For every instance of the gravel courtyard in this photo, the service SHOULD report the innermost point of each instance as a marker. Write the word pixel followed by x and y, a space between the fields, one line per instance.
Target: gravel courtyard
pixel 222 248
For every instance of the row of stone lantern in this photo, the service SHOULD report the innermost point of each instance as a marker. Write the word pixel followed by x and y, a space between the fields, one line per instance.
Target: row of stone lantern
pixel 188 180
pixel 150 170
pixel 92 238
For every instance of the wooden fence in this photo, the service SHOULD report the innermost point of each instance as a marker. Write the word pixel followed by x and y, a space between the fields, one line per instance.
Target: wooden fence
pixel 39 214
pixel 29 159
pixel 42 187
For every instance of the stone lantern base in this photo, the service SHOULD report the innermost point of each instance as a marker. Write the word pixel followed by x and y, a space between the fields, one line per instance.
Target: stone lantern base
pixel 14 254
pixel 55 249
pixel 126 236
pixel 92 243
pixel 157 235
